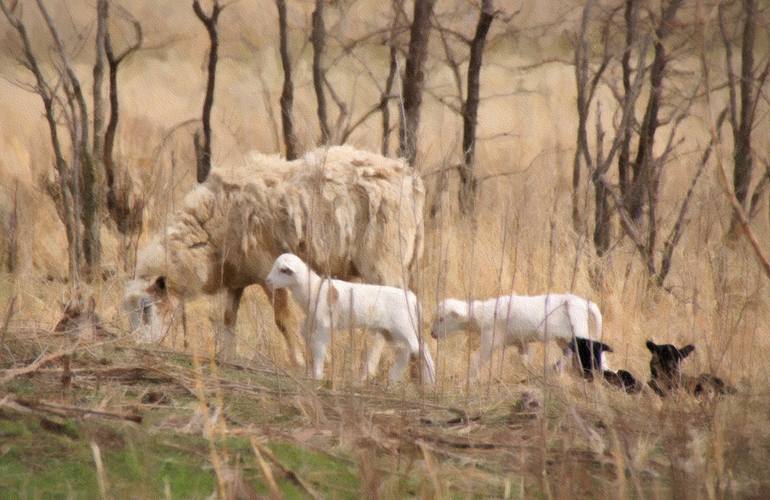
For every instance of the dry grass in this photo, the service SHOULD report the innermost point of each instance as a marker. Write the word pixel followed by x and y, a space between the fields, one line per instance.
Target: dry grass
pixel 522 435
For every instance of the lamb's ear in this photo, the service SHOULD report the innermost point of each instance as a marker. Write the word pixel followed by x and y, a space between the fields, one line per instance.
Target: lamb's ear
pixel 454 314
pixel 686 350
pixel 651 346
pixel 605 347
pixel 333 296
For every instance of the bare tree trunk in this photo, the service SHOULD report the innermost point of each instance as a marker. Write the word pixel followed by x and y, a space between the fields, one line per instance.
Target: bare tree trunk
pixel 414 78
pixel 127 217
pixel 583 102
pixel 471 107
pixel 287 94
pixel 643 163
pixel 12 233
pixel 203 148
pixel 93 227
pixel 84 176
pixel 630 16
pixel 742 134
pixel 318 38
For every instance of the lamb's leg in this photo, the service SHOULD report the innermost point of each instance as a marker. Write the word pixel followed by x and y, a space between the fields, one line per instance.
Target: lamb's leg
pixel 232 303
pixel 386 271
pixel 482 357
pixel 374 354
pixel 400 364
pixel 282 312
pixel 524 352
pixel 318 342
pixel 427 374
pixel 561 365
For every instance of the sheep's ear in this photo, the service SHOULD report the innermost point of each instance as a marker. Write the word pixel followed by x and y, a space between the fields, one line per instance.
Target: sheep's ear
pixel 651 346
pixel 605 347
pixel 454 314
pixel 332 295
pixel 686 350
pixel 158 287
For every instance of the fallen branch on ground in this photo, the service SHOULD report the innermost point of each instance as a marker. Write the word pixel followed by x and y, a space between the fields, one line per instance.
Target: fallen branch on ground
pixel 64 410
pixel 12 373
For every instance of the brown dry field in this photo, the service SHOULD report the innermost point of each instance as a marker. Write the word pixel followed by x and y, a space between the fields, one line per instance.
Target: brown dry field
pixel 578 440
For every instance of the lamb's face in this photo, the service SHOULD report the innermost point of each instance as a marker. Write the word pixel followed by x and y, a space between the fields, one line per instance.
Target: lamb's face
pixel 285 271
pixel 149 308
pixel 666 360
pixel 451 317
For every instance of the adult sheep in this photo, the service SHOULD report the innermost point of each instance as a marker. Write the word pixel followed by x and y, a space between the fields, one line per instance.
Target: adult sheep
pixel 348 213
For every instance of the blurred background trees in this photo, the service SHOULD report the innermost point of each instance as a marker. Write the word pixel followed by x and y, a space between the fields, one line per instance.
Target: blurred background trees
pixel 637 97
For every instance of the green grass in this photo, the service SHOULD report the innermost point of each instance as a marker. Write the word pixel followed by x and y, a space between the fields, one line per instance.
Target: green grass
pixel 40 463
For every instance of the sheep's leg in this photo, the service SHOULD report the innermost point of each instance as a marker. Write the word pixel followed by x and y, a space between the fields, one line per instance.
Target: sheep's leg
pixel 282 312
pixel 396 371
pixel 318 342
pixel 232 303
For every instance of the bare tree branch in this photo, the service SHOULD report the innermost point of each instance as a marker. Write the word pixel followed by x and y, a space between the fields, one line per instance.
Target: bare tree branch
pixel 203 148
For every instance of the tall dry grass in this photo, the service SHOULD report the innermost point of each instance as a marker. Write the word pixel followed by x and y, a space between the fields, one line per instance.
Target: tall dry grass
pixel 520 240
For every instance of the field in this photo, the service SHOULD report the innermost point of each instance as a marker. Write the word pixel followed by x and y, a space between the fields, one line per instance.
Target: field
pixel 117 419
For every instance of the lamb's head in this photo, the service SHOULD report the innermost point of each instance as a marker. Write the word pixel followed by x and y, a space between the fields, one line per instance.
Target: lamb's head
pixel 451 316
pixel 666 360
pixel 286 271
pixel 587 355
pixel 149 307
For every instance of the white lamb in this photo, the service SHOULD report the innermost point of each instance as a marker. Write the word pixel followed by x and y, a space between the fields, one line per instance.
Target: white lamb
pixel 332 304
pixel 518 320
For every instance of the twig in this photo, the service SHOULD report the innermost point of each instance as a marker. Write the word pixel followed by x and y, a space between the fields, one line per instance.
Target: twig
pixel 275 493
pixel 285 470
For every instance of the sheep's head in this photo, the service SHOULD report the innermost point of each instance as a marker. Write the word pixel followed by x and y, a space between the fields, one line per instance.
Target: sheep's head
pixel 148 305
pixel 451 316
pixel 285 271
pixel 666 361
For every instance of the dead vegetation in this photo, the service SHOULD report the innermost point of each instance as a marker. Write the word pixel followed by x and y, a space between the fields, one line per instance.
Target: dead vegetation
pixel 508 439
pixel 84 411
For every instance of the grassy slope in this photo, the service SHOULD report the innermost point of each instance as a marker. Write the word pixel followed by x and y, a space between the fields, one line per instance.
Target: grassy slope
pixel 350 441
